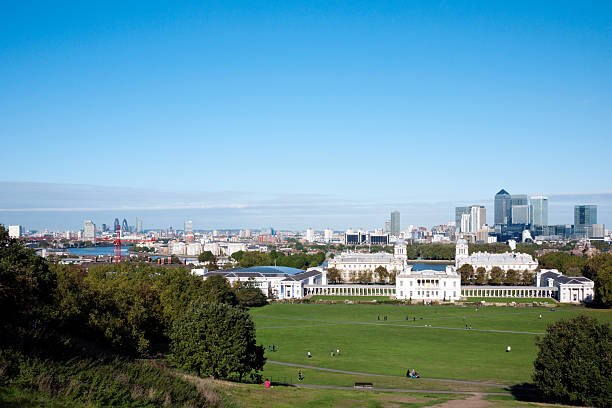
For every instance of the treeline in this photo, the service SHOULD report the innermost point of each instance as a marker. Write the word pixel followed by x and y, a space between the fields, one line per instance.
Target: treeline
pixel 135 248
pixel 67 328
pixel 247 259
pixel 497 276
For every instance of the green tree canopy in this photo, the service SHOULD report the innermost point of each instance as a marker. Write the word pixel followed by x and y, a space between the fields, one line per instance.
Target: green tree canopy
pixel 481 276
pixel 512 277
pixel 26 291
pixel 217 290
pixel 248 294
pixel 574 362
pixel 217 340
pixel 497 275
pixel 466 271
pixel 334 275
pixel 381 274
pixel 527 278
pixel 206 256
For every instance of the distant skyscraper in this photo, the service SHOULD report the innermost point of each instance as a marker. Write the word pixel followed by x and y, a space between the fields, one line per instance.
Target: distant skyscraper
pixel 310 235
pixel 539 205
pixel 519 199
pixel 465 223
pixel 503 205
pixel 138 225
pixel 188 226
pixel 89 231
pixel 116 224
pixel 388 227
pixel 459 211
pixel 15 231
pixel 124 226
pixel 585 214
pixel 521 214
pixel 478 215
pixel 395 223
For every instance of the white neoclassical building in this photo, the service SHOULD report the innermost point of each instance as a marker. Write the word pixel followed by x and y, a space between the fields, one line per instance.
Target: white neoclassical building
pixel 570 289
pixel 353 263
pixel 274 281
pixel 428 284
pixel 508 260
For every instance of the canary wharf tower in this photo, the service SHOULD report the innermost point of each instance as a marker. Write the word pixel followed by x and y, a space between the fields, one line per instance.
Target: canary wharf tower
pixel 503 208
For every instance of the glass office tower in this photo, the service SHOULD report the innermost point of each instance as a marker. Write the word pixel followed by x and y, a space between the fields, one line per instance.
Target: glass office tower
pixel 539 205
pixel 395 223
pixel 503 208
pixel 585 214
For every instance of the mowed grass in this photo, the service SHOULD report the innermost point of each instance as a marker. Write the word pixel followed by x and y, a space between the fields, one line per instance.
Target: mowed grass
pixel 509 300
pixel 352 298
pixel 256 396
pixel 391 347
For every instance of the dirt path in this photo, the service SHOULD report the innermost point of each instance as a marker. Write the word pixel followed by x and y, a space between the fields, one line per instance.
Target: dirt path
pixel 332 370
pixel 335 387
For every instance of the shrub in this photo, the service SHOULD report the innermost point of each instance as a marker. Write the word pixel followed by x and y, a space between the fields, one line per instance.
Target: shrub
pixel 218 340
pixel 575 361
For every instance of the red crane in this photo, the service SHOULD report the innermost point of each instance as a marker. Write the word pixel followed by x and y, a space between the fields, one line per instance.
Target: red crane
pixel 118 244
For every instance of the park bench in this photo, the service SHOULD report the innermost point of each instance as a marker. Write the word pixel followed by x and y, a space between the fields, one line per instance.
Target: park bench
pixel 363 385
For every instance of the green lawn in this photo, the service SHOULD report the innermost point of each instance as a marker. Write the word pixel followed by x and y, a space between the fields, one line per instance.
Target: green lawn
pixel 508 300
pixel 353 298
pixel 444 350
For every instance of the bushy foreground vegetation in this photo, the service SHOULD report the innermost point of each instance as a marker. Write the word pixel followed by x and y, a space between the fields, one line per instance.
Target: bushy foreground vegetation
pixel 103 381
pixel 574 363
pixel 76 334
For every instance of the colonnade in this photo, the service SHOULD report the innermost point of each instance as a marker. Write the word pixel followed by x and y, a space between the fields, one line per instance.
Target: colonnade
pixel 351 290
pixel 508 291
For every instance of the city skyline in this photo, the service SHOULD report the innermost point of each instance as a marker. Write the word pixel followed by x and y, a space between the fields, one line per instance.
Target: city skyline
pixel 67 206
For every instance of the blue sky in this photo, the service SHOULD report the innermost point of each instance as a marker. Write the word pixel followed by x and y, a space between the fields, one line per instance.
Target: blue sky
pixel 318 113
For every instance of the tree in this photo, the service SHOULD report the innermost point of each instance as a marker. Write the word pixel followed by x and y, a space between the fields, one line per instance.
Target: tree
pixel 497 275
pixel 248 294
pixel 212 264
pixel 334 275
pixel 392 277
pixel 217 340
pixel 217 290
pixel 512 277
pixel 466 271
pixel 527 278
pixel 364 277
pixel 206 256
pixel 603 287
pixel 599 269
pixel 381 274
pixel 26 290
pixel 574 362
pixel 481 276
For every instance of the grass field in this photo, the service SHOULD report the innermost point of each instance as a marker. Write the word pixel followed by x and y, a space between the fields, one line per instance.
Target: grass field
pixel 353 298
pixel 509 300
pixel 431 339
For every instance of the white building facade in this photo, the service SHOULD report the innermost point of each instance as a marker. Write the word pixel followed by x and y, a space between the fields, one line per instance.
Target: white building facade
pixel 428 285
pixel 351 264
pixel 15 231
pixel 571 289
pixel 509 260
